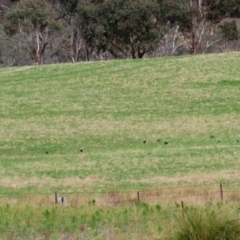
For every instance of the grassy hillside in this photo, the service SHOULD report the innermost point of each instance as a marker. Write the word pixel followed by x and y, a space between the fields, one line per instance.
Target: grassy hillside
pixel 107 109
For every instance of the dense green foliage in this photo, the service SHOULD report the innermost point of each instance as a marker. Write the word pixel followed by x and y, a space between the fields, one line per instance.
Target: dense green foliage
pixel 128 27
pixel 105 29
pixel 230 31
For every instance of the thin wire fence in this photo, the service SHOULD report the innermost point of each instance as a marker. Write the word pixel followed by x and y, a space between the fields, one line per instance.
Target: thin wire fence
pixel 191 194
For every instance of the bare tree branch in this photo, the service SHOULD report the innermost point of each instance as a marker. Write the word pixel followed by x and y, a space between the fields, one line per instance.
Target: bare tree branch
pixel 4 7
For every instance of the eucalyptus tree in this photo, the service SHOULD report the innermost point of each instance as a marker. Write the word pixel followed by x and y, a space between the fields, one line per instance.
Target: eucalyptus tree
pixel 35 21
pixel 126 28
pixel 198 19
pixel 71 41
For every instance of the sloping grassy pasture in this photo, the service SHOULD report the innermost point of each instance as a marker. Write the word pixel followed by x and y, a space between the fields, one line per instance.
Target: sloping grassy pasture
pixel 107 109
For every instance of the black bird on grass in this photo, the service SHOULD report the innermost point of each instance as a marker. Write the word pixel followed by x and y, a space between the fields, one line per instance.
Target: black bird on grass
pixel 81 150
pixel 144 141
pixel 218 141
pixel 46 152
pixel 212 136
pixel 165 143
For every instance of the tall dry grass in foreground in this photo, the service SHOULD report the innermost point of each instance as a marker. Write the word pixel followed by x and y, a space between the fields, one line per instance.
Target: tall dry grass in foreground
pixel 207 223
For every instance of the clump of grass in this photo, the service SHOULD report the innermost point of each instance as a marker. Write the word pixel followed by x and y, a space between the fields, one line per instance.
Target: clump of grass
pixel 215 223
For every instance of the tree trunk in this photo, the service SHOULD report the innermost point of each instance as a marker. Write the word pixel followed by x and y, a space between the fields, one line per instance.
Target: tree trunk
pixel 41 44
pixel 133 51
pixel 141 53
pixel 194 43
pixel 37 53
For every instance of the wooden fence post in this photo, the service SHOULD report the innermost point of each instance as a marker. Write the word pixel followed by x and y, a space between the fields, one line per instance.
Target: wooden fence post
pixel 182 206
pixel 56 198
pixel 221 191
pixel 138 196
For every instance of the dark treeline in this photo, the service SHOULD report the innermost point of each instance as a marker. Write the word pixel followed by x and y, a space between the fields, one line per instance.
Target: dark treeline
pixel 54 31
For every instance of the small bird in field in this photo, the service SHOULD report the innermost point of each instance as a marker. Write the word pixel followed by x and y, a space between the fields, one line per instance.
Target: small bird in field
pixel 212 136
pixel 46 152
pixel 165 143
pixel 159 140
pixel 81 150
pixel 218 141
pixel 144 141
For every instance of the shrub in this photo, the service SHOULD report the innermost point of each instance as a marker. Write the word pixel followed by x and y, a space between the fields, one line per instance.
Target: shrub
pixel 209 223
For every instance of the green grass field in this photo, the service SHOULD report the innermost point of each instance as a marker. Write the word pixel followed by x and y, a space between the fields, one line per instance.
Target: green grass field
pixel 107 109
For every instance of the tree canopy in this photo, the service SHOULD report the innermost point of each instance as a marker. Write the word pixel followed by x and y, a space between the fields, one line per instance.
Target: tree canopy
pixel 35 18
pixel 122 28
pixel 198 18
